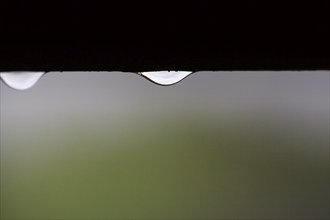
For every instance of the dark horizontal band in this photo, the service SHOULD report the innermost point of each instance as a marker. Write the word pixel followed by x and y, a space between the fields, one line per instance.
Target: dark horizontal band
pixel 164 35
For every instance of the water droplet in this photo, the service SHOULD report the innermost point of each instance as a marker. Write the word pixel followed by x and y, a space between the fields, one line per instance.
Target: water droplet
pixel 166 77
pixel 21 80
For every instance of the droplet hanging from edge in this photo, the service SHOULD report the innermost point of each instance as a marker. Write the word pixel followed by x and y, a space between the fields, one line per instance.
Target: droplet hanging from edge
pixel 21 80
pixel 166 77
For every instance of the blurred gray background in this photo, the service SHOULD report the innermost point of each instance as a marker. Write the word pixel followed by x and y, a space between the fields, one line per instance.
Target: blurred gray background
pixel 112 145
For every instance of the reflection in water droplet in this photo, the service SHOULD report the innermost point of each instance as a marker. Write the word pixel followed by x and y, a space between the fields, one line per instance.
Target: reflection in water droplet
pixel 166 77
pixel 21 80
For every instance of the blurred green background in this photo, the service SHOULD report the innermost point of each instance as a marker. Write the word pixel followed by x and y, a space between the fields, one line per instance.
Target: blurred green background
pixel 221 145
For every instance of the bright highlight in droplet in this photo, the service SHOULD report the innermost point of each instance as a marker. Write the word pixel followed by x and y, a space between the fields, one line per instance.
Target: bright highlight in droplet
pixel 166 77
pixel 21 80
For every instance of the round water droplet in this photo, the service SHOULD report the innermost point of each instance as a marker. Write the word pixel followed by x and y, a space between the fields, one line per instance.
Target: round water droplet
pixel 166 77
pixel 21 80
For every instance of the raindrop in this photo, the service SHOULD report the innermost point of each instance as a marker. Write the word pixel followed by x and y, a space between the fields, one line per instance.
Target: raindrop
pixel 166 77
pixel 21 80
